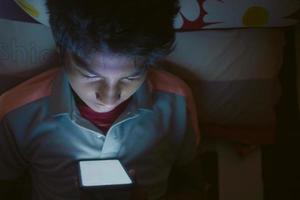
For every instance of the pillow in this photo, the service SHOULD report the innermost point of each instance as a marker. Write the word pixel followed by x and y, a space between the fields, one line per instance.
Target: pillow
pixel 234 77
pixel 24 53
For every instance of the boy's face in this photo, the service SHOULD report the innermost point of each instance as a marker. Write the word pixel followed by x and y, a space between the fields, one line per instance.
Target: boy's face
pixel 106 80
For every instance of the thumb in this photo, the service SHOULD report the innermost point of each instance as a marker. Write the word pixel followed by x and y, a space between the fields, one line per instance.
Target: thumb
pixel 138 193
pixel 132 174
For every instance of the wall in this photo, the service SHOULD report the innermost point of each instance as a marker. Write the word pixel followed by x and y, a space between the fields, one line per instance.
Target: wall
pixel 297 43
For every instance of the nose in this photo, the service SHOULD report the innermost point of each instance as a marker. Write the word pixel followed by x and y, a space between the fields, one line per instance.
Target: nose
pixel 108 95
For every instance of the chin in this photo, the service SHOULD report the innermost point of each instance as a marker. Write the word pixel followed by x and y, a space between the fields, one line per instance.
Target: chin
pixel 102 109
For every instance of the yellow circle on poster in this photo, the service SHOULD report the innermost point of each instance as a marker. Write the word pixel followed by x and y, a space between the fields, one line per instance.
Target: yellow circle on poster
pixel 36 9
pixel 256 16
pixel 31 10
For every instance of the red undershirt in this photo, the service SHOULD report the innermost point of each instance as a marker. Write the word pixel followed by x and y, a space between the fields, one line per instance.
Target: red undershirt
pixel 102 120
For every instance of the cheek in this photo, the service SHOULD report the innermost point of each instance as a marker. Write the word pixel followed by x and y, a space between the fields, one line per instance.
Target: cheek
pixel 83 90
pixel 130 89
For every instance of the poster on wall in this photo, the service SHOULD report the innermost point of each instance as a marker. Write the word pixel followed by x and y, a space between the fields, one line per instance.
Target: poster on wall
pixel 9 10
pixel 206 14
pixel 222 14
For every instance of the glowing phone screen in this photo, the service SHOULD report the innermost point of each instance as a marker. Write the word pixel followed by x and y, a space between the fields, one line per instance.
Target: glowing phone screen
pixel 103 173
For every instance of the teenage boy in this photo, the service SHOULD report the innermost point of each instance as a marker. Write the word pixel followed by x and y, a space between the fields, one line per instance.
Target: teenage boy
pixel 106 101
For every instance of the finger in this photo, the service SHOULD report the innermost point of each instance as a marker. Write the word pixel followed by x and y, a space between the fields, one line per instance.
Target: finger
pixel 133 176
pixel 132 173
pixel 138 193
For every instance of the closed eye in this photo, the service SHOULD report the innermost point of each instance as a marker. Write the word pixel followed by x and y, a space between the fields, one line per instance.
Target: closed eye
pixel 136 76
pixel 89 75
pixel 133 78
pixel 86 74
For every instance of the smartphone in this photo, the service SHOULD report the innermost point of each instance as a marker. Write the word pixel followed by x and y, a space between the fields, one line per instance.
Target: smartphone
pixel 108 174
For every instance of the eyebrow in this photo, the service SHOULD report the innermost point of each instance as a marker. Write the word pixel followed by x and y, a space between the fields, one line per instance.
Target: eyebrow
pixel 79 61
pixel 83 65
pixel 140 70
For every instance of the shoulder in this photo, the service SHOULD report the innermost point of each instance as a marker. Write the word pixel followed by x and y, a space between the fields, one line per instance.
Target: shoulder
pixel 27 92
pixel 167 82
pixel 164 81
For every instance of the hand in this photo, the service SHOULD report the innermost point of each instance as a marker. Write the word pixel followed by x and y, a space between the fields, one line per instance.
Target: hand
pixel 138 193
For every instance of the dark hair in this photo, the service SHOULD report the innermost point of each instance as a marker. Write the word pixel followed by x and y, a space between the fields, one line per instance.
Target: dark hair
pixel 126 27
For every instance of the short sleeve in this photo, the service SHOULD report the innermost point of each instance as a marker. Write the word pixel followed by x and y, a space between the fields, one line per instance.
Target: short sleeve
pixel 190 142
pixel 189 146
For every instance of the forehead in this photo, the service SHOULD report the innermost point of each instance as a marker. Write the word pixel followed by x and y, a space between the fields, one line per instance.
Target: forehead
pixel 108 62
